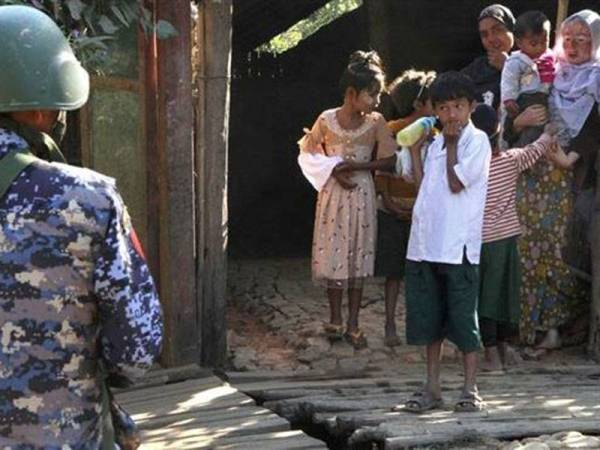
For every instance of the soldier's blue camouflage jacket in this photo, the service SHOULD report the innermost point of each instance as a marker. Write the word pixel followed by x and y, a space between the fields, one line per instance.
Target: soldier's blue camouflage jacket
pixel 73 284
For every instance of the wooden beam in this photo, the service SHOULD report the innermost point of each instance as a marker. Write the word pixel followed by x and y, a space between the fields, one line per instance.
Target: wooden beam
pixel 199 69
pixel 148 50
pixel 176 186
pixel 214 42
pixel 561 15
pixel 594 337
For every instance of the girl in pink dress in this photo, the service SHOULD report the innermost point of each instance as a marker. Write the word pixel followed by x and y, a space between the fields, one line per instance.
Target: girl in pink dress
pixel 343 249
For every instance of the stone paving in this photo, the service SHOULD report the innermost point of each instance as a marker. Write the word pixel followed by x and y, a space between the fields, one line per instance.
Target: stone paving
pixel 281 294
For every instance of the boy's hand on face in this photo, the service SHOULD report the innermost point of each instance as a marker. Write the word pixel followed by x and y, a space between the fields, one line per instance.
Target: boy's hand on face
pixel 451 134
pixel 497 58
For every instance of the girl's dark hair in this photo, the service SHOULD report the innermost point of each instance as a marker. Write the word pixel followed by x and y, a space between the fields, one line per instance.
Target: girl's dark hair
pixel 451 86
pixel 364 71
pixel 533 22
pixel 411 85
pixel 485 118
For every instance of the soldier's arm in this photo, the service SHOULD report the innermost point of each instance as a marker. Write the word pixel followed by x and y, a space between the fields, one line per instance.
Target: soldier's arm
pixel 129 312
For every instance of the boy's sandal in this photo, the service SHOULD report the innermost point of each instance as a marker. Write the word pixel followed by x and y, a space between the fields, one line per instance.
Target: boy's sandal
pixel 420 402
pixel 469 402
pixel 357 339
pixel 392 341
pixel 333 332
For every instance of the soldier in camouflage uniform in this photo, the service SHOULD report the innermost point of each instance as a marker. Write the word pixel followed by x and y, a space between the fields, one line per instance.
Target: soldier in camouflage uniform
pixel 75 290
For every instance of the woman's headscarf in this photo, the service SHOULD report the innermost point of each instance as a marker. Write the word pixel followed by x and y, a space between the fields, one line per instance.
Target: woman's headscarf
pixel 576 88
pixel 500 13
pixel 591 20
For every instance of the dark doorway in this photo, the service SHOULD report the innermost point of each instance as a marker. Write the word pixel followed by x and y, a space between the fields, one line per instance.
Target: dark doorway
pixel 271 206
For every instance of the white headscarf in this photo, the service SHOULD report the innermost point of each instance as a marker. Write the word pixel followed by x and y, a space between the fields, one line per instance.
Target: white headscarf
pixel 576 88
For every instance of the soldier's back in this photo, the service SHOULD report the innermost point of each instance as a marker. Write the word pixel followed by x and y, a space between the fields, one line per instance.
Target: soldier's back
pixel 53 223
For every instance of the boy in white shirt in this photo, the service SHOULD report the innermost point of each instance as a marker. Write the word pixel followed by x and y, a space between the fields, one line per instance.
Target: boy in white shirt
pixel 445 240
pixel 442 280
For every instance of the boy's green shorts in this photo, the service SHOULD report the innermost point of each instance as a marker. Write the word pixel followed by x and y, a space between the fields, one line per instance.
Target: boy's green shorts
pixel 441 302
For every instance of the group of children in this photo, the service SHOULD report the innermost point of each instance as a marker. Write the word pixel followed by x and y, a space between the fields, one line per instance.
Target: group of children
pixel 442 213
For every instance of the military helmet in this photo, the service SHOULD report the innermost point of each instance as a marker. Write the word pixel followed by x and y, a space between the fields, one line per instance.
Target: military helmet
pixel 39 68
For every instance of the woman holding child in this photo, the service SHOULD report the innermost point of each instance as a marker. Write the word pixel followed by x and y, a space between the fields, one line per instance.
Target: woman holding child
pixel 495 24
pixel 551 294
pixel 574 107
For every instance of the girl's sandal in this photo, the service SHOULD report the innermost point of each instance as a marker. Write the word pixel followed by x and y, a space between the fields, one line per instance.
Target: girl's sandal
pixel 333 332
pixel 357 339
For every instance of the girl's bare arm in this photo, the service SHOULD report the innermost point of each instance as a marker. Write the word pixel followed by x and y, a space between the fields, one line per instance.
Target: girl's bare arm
pixel 385 165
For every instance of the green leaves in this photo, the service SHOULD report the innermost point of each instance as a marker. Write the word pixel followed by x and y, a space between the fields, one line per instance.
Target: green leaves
pixel 121 16
pixel 107 25
pixel 76 7
pixel 165 30
pixel 89 24
pixel 287 40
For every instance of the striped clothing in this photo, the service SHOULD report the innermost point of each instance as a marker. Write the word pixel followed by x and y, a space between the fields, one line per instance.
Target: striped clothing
pixel 500 218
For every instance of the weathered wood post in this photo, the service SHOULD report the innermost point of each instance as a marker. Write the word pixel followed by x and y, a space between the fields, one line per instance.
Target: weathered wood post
pixel 594 338
pixel 214 42
pixel 561 14
pixel 176 186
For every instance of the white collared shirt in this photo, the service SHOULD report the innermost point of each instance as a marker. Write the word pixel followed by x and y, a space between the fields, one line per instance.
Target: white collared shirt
pixel 444 224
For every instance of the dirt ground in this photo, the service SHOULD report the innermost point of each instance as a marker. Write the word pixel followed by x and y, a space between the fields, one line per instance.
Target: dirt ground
pixel 275 317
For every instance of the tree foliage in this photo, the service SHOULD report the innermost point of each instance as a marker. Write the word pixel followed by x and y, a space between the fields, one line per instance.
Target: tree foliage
pixel 90 24
pixel 310 25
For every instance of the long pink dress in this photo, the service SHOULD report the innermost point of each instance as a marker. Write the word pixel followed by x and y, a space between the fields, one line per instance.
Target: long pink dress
pixel 343 249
